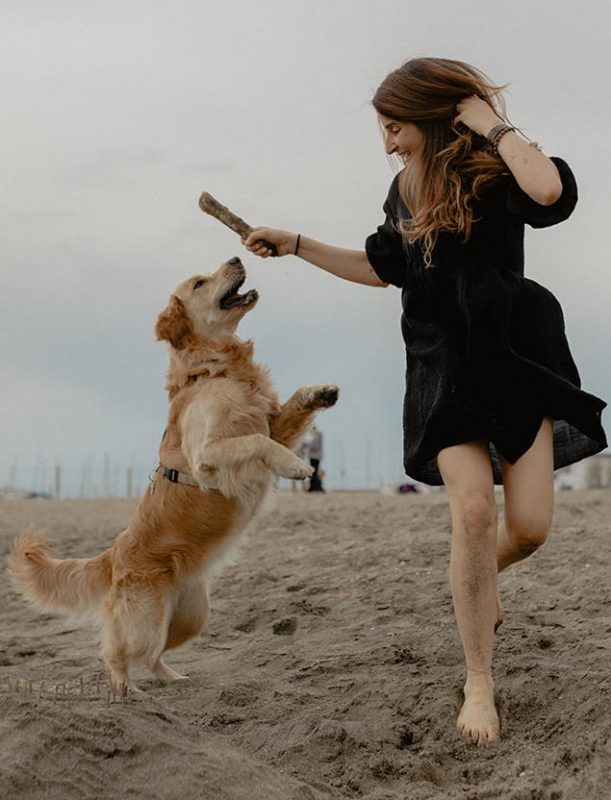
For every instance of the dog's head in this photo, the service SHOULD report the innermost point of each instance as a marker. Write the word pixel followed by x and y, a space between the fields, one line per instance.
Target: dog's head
pixel 206 305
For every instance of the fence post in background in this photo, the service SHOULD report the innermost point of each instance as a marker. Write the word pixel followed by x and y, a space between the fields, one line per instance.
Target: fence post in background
pixel 106 477
pixel 57 483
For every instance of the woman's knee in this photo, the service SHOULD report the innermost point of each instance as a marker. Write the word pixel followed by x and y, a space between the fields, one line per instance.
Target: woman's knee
pixel 476 513
pixel 528 531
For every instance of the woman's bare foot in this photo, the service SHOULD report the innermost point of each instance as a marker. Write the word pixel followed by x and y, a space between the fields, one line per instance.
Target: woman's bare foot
pixel 478 720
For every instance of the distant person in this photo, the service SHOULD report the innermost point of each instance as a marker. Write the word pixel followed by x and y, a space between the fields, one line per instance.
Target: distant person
pixel 315 453
pixel 493 395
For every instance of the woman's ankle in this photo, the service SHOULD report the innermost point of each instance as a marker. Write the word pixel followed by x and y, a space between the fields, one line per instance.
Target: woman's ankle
pixel 478 678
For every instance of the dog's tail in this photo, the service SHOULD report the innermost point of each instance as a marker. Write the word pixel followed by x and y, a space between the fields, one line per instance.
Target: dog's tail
pixel 72 584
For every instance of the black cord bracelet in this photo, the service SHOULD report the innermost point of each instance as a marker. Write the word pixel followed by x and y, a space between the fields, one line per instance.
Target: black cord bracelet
pixel 297 243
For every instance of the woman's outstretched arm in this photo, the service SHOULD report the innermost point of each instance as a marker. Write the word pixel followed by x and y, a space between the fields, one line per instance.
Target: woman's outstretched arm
pixel 351 265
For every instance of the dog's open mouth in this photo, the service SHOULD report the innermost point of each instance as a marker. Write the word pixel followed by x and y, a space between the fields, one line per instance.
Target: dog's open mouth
pixel 231 299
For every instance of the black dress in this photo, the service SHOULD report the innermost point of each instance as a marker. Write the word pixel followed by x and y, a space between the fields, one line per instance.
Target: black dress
pixel 487 355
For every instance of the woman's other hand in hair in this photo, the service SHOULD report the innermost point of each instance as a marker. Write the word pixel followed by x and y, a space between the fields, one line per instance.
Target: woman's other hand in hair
pixel 477 115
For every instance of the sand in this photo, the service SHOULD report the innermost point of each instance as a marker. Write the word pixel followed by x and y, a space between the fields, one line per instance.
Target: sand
pixel 330 669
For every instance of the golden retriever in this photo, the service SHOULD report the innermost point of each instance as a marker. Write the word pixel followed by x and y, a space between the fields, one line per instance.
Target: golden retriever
pixel 227 437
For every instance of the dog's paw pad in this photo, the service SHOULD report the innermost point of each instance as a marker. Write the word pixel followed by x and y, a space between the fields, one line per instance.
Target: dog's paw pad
pixel 325 397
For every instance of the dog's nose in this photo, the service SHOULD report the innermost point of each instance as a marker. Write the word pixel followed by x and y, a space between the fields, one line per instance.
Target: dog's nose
pixel 234 260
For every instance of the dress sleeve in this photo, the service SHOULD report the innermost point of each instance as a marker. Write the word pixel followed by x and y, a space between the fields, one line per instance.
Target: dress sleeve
pixel 527 210
pixel 385 247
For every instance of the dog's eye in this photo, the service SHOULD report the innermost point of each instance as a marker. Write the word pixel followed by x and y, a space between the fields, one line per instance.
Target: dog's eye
pixel 199 283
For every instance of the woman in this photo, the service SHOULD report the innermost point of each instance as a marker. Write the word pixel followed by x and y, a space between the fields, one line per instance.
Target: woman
pixel 493 394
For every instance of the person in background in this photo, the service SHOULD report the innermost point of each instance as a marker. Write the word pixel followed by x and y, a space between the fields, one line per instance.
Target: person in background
pixel 315 452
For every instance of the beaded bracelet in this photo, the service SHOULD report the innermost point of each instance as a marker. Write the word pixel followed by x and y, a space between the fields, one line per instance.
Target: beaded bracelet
pixel 495 135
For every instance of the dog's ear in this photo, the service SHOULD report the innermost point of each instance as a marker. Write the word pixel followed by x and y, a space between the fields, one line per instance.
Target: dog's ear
pixel 173 324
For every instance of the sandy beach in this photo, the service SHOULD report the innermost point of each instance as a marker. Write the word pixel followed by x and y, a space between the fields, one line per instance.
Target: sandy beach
pixel 331 667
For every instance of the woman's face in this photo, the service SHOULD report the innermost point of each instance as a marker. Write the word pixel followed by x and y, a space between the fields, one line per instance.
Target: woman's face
pixel 403 139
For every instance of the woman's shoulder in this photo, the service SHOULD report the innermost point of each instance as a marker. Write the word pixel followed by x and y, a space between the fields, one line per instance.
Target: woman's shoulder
pixel 393 190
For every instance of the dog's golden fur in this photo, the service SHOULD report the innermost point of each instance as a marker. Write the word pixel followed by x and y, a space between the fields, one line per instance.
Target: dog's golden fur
pixel 227 430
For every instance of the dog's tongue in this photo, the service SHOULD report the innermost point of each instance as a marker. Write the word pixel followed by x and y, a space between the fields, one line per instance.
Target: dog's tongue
pixel 236 299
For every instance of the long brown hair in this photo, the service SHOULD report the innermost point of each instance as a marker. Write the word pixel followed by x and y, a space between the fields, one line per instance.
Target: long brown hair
pixel 456 164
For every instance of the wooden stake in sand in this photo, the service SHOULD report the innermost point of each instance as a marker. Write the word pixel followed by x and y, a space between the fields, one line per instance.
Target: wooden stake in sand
pixel 77 690
pixel 211 206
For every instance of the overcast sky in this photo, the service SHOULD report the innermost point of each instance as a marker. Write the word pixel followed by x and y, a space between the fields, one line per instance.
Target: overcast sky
pixel 117 114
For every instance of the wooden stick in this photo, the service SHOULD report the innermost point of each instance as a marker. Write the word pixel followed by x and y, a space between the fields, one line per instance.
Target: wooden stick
pixel 211 205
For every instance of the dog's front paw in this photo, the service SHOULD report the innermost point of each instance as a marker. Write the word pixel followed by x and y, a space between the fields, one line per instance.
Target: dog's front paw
pixel 296 469
pixel 304 471
pixel 321 396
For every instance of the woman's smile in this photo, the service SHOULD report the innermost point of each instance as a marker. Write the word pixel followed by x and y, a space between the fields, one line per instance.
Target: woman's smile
pixel 403 139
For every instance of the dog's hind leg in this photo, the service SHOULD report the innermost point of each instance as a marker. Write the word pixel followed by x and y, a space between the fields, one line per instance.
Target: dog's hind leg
pixel 115 654
pixel 187 620
pixel 135 623
pixel 190 613
pixel 164 673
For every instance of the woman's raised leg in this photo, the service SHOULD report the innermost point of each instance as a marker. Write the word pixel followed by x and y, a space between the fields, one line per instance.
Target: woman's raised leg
pixel 467 474
pixel 529 499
